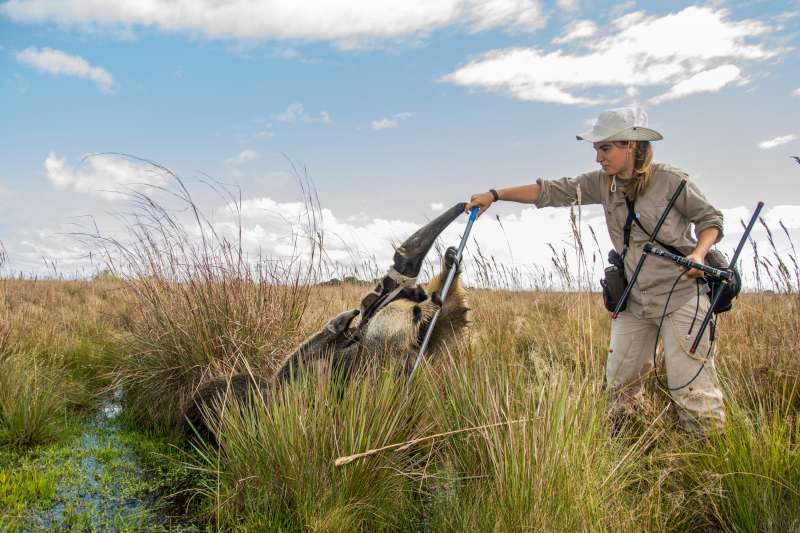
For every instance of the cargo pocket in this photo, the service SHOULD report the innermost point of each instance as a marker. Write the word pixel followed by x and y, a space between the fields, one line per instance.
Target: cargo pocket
pixel 679 322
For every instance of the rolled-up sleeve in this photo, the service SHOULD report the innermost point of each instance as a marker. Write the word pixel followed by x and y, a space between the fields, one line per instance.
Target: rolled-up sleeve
pixel 699 211
pixel 564 191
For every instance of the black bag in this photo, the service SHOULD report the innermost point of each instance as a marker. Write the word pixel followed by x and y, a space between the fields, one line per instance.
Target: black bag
pixel 731 290
pixel 614 282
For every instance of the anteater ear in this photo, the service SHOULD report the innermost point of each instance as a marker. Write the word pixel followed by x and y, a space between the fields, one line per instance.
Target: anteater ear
pixel 416 311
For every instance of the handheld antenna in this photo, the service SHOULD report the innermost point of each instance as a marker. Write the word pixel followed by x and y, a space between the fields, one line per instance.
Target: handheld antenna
pixel 734 259
pixel 445 289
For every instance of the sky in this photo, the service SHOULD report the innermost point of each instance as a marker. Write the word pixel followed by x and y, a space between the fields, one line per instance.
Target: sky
pixel 391 111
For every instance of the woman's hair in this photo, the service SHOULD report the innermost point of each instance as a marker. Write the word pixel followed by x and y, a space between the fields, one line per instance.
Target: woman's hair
pixel 642 166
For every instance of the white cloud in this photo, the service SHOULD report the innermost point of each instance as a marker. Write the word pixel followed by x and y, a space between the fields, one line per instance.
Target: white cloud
pixel 568 5
pixel 268 226
pixel 777 141
pixel 296 113
pixel 579 29
pixel 383 124
pixel 102 175
pixel 640 51
pixel 390 122
pixel 483 15
pixel 57 63
pixel 362 245
pixel 618 9
pixel 796 92
pixel 731 220
pixel 344 22
pixel 707 81
pixel 244 156
pixel 293 54
pixel 789 215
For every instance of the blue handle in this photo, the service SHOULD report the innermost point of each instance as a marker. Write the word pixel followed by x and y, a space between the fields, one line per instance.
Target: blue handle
pixel 473 213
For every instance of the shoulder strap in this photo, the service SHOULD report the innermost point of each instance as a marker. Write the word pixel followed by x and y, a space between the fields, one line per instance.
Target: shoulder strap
pixel 633 218
pixel 626 229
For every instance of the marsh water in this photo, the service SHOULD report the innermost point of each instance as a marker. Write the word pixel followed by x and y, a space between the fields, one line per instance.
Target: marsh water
pixel 100 483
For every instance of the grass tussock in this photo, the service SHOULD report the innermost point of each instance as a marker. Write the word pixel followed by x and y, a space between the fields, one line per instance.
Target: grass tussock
pixel 57 344
pixel 549 465
pixel 186 332
pixel 274 468
pixel 202 309
pixel 32 402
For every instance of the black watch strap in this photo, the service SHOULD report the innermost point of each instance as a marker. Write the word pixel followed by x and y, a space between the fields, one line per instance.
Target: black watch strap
pixel 494 194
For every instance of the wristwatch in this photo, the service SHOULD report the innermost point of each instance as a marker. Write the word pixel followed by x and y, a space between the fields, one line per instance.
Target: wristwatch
pixel 494 194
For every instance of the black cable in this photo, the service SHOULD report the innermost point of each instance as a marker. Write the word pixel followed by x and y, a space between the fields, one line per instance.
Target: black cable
pixel 658 335
pixel 696 308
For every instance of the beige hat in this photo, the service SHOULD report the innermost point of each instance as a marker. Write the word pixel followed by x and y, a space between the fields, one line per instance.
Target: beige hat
pixel 622 124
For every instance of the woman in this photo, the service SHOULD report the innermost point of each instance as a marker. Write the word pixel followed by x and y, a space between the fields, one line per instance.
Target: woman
pixel 622 142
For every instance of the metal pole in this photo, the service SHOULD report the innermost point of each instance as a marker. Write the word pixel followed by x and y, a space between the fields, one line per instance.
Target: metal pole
pixel 639 265
pixel 734 259
pixel 445 289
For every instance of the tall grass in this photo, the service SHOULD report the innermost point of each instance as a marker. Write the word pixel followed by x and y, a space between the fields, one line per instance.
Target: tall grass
pixel 756 469
pixel 56 339
pixel 203 308
pixel 549 466
pixel 32 402
pixel 532 366
pixel 274 468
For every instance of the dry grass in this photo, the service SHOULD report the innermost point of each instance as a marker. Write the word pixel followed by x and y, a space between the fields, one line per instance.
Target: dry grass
pixel 58 343
pixel 537 356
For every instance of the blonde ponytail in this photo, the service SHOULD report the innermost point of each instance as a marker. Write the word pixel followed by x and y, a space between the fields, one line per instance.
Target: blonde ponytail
pixel 642 167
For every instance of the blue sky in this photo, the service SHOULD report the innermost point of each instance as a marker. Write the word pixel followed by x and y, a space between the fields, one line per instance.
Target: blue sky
pixel 394 108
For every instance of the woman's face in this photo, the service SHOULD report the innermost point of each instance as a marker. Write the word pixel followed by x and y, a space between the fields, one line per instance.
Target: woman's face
pixel 615 158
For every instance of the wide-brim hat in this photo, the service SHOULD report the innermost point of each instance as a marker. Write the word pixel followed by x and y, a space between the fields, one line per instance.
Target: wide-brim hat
pixel 622 124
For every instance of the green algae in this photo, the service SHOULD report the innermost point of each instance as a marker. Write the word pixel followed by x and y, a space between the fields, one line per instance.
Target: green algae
pixel 94 479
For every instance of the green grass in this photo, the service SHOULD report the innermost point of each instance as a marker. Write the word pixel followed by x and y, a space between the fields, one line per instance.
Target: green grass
pixel 32 402
pixel 542 460
pixel 275 467
pixel 753 472
pixel 22 489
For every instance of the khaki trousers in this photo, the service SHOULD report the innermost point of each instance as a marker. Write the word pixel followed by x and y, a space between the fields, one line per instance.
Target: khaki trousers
pixel 630 359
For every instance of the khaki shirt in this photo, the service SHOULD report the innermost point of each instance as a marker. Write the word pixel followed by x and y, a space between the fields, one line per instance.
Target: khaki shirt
pixel 649 294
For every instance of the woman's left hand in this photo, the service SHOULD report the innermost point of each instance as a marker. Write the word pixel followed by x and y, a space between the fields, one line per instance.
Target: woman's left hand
pixel 696 257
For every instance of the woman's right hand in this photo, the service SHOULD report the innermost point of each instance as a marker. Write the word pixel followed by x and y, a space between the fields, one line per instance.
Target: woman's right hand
pixel 481 200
